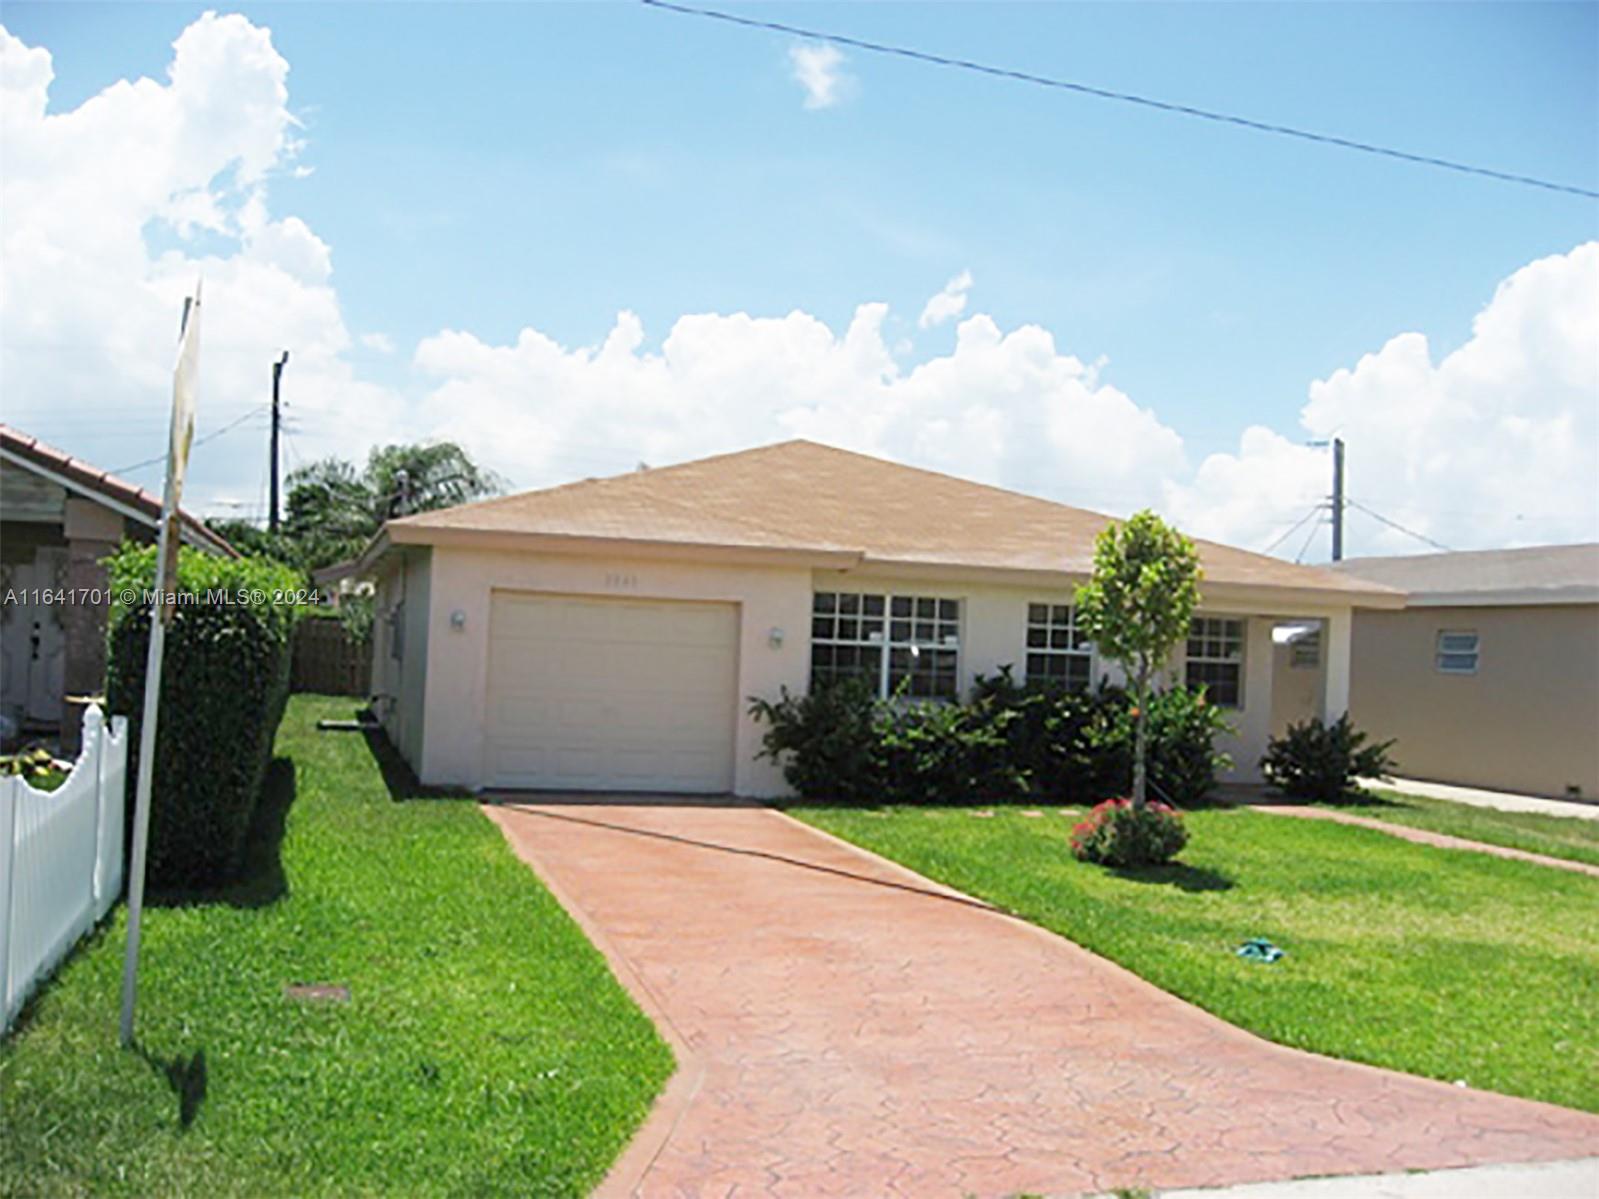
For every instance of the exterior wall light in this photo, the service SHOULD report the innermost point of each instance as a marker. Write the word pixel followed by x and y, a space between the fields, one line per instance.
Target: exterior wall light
pixel 774 637
pixel 458 620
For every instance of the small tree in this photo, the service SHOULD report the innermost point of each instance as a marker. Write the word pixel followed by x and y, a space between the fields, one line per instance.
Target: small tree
pixel 1137 607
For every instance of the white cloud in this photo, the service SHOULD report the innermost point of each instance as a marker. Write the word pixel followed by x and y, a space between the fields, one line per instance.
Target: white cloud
pixel 1494 444
pixel 819 69
pixel 107 207
pixel 113 208
pixel 950 302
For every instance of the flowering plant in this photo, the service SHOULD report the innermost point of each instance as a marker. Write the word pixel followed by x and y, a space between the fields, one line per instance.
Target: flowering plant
pixel 1118 833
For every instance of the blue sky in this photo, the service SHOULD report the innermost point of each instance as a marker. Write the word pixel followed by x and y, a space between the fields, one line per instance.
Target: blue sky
pixel 490 167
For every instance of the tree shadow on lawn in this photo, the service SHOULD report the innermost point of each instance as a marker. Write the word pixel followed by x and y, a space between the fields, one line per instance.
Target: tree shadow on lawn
pixel 261 881
pixel 1176 874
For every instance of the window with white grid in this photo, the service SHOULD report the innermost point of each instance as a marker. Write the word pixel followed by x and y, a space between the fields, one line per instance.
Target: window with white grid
pixel 1216 659
pixel 1057 650
pixel 891 642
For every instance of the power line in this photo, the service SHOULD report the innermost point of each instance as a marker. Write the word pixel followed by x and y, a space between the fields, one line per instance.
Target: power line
pixel 1309 537
pixel 1292 529
pixel 200 441
pixel 1086 89
pixel 1393 524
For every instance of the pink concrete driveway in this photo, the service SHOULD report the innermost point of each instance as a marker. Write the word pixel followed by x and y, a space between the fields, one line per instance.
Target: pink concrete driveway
pixel 844 1027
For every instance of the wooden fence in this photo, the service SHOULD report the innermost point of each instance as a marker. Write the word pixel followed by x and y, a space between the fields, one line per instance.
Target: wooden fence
pixel 60 859
pixel 328 660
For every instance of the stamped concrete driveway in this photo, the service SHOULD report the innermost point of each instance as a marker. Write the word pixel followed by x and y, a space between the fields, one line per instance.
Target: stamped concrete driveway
pixel 845 1027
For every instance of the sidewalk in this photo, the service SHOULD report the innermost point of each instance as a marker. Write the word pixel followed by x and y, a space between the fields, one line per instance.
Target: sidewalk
pixel 1577 1179
pixel 1505 801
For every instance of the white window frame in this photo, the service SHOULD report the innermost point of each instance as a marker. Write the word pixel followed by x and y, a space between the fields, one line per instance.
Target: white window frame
pixel 1206 623
pixel 1077 645
pixel 1441 652
pixel 946 621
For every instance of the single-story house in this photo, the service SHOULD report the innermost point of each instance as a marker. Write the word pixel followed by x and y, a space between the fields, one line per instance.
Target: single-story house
pixel 606 635
pixel 1489 677
pixel 59 518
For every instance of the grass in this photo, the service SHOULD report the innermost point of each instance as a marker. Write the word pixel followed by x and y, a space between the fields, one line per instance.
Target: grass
pixel 1452 965
pixel 484 1048
pixel 1568 837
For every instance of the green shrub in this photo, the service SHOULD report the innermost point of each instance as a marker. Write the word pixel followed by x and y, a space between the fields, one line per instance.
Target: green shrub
pixel 1009 741
pixel 1315 760
pixel 1118 834
pixel 224 682
pixel 824 740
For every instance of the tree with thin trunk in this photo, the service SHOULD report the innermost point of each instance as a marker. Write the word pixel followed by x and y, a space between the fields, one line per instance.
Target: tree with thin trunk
pixel 1137 607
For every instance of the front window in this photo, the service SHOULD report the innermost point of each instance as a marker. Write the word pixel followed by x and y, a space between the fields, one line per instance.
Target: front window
pixel 1457 652
pixel 892 642
pixel 1216 659
pixel 1057 650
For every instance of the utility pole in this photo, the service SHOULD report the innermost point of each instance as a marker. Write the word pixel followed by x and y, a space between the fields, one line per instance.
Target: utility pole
pixel 1338 500
pixel 277 422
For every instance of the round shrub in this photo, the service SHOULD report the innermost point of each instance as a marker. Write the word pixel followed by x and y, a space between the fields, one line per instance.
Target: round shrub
pixel 1118 834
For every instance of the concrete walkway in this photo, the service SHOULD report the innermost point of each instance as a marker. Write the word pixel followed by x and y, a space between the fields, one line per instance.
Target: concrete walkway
pixel 845 1027
pixel 1505 801
pixel 1539 1180
pixel 1425 837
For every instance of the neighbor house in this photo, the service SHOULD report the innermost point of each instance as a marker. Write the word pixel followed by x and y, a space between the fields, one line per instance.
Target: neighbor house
pixel 1490 675
pixel 59 518
pixel 607 635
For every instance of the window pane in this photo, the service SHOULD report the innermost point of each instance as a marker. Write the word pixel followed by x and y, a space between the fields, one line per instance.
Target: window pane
pixel 825 601
pixel 848 629
pixel 900 606
pixel 899 630
pixel 850 604
pixel 872 629
pixel 822 627
pixel 1037 613
pixel 872 605
pixel 924 630
pixel 948 610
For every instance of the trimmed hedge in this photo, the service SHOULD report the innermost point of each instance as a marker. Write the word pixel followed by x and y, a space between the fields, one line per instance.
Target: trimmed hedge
pixel 224 683
pixel 1008 742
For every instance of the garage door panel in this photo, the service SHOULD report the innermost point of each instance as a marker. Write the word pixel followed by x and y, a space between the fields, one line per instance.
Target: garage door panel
pixel 611 694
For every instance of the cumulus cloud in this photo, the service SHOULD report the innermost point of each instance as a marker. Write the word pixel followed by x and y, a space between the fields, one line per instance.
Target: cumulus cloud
pixel 819 69
pixel 950 302
pixel 114 207
pixel 1495 443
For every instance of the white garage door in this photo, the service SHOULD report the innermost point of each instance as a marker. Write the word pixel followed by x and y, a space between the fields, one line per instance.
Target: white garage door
pixel 611 695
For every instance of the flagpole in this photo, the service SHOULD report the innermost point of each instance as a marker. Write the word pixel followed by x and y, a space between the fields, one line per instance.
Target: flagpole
pixel 183 383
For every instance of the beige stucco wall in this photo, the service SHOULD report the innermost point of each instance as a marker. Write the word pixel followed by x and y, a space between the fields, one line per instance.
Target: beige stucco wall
pixel 399 683
pixel 993 634
pixel 1528 720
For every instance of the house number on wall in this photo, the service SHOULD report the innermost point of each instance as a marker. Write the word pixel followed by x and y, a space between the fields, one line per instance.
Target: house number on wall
pixel 620 581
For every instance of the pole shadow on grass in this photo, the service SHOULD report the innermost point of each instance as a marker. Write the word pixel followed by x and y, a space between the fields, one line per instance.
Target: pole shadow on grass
pixel 261 881
pixel 186 1077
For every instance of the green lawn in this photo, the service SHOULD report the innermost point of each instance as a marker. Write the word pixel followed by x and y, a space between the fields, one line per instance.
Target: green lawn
pixel 1569 837
pixel 1453 965
pixel 485 1048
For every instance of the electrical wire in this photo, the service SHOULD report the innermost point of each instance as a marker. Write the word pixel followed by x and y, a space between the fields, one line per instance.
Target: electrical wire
pixel 1309 537
pixel 1293 528
pixel 1393 524
pixel 199 441
pixel 1102 93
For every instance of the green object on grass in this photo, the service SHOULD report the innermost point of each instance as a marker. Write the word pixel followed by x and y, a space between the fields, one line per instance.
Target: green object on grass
pixel 1258 949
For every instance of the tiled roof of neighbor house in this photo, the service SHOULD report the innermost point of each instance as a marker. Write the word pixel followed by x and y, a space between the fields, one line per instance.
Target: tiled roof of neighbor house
pixel 798 495
pixel 86 477
pixel 1542 574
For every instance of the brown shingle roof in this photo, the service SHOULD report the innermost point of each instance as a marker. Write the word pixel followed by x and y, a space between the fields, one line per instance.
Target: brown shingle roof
pixel 1540 574
pixel 798 495
pixel 87 477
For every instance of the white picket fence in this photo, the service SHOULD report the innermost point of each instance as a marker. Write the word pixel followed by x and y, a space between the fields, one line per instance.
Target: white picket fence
pixel 60 859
